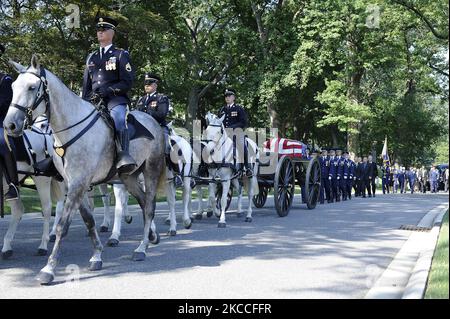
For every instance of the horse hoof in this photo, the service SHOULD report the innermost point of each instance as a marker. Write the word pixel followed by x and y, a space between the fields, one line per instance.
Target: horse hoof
pixel 103 229
pixel 188 223
pixel 198 216
pixel 7 254
pixel 172 233
pixel 209 214
pixel 222 225
pixel 128 219
pixel 41 252
pixel 167 222
pixel 95 265
pixel 248 220
pixel 112 242
pixel 45 278
pixel 52 238
pixel 138 256
pixel 239 215
pixel 154 239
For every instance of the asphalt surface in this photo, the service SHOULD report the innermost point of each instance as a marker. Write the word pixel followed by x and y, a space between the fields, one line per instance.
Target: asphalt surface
pixel 334 251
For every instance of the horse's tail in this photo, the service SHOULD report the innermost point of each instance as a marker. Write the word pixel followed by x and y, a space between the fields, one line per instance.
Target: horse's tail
pixel 162 182
pixel 57 190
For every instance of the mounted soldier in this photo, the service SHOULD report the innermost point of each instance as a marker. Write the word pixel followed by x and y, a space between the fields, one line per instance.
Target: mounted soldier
pixel 7 148
pixel 158 106
pixel 236 118
pixel 109 77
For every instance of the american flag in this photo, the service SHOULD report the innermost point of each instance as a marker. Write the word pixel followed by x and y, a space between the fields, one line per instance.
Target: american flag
pixel 385 154
pixel 284 146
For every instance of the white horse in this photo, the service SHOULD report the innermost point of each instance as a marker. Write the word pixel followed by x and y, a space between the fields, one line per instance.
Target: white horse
pixel 219 150
pixel 48 188
pixel 86 154
pixel 182 157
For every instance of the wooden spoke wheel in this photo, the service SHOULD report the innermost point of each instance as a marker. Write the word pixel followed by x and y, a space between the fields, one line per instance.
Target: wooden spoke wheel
pixel 312 183
pixel 284 186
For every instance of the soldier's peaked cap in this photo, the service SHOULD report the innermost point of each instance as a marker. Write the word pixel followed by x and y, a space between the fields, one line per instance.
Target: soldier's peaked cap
pixel 229 91
pixel 106 22
pixel 151 78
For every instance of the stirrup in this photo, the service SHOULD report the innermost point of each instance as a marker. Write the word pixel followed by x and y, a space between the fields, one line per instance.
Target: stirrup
pixel 13 193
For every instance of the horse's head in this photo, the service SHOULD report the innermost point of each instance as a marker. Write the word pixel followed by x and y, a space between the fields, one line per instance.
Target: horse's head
pixel 30 97
pixel 215 129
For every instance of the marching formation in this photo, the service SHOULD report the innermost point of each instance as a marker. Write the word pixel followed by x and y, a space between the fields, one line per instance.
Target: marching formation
pixel 95 139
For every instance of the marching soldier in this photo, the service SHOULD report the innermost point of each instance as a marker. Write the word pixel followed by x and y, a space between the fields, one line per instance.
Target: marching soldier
pixel 109 77
pixel 325 182
pixel 357 177
pixel 332 177
pixel 366 172
pixel 373 175
pixel 401 179
pixel 345 175
pixel 351 172
pixel 412 179
pixel 7 149
pixel 385 182
pixel 340 175
pixel 236 118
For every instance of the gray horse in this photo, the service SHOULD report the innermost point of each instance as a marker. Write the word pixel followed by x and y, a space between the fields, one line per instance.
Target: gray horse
pixel 86 149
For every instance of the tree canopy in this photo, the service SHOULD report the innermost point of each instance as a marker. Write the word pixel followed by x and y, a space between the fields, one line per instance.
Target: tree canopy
pixel 329 73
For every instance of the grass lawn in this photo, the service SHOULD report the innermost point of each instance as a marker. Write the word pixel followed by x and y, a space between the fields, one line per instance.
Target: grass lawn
pixel 437 286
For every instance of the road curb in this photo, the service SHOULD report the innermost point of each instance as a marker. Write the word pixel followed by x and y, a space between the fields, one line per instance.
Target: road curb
pixel 415 289
pixel 407 274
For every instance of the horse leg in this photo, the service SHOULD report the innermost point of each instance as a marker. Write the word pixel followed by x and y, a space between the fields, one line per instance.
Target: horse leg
pixel 86 213
pixel 239 188
pixel 132 185
pixel 43 187
pixel 121 196
pixel 212 199
pixel 223 202
pixel 17 210
pixel 171 199
pixel 58 214
pixel 106 201
pixel 74 197
pixel 187 192
pixel 251 186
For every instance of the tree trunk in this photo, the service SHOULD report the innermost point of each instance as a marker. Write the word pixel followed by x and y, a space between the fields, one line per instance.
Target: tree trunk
pixel 192 107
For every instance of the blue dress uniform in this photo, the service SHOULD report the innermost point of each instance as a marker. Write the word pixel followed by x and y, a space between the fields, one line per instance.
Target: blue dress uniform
pixel 236 117
pixel 401 181
pixel 340 178
pixel 325 182
pixel 109 76
pixel 412 180
pixel 351 173
pixel 332 177
pixel 385 182
pixel 157 105
pixel 7 150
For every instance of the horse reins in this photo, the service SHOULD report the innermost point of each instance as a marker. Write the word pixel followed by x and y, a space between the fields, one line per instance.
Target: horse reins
pixel 38 100
pixel 43 86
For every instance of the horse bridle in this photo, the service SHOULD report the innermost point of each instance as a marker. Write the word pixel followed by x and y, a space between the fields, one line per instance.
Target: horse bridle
pixel 41 95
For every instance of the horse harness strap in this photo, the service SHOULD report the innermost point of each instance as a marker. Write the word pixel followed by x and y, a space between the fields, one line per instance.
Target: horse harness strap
pixel 61 150
pixel 40 97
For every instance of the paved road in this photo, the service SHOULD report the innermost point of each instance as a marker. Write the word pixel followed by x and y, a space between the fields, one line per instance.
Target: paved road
pixel 335 251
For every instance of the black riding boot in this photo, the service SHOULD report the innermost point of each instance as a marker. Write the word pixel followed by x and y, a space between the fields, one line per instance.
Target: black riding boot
pixel 248 169
pixel 125 163
pixel 11 176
